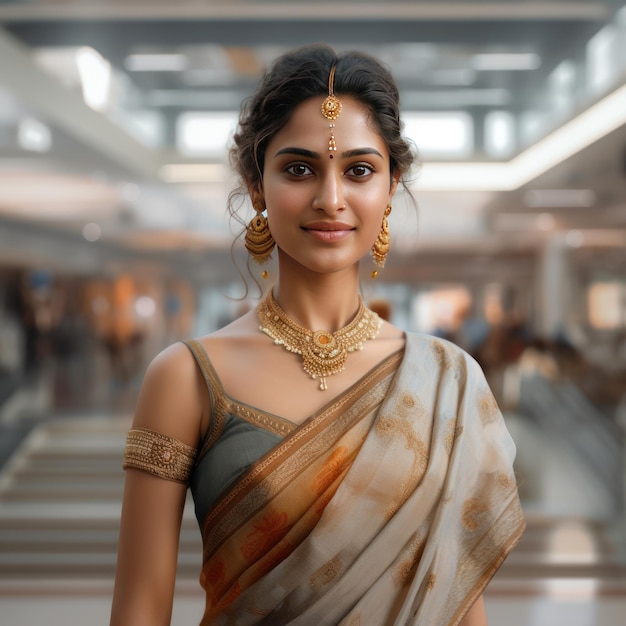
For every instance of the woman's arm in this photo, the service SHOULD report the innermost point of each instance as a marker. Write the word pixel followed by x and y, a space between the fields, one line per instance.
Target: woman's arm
pixel 477 615
pixel 171 403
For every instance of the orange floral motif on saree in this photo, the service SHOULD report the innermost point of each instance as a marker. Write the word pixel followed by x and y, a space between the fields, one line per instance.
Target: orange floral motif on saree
pixel 233 593
pixel 219 596
pixel 268 531
pixel 332 469
pixel 213 577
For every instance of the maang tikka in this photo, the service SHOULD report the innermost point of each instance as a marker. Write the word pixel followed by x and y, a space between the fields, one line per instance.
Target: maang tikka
pixel 380 249
pixel 258 240
pixel 331 108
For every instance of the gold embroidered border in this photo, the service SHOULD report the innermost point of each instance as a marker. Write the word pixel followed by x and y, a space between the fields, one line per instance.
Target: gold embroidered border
pixel 158 454
pixel 266 421
pixel 216 395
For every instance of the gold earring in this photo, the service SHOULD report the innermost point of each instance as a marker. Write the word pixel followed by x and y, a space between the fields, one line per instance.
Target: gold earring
pixel 259 241
pixel 380 249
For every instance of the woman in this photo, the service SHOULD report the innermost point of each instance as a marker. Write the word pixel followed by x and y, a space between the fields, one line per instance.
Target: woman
pixel 349 475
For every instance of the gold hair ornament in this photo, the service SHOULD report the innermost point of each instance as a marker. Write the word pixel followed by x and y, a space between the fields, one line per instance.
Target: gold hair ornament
pixel 323 353
pixel 331 108
pixel 259 241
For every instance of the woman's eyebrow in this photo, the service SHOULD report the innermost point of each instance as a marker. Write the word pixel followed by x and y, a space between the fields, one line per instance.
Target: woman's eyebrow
pixel 348 154
pixel 360 152
pixel 298 152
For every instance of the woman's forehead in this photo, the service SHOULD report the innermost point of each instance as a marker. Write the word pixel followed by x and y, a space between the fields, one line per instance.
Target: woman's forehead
pixel 354 127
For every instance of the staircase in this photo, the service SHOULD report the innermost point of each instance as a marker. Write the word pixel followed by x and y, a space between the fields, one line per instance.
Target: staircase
pixel 60 504
pixel 60 498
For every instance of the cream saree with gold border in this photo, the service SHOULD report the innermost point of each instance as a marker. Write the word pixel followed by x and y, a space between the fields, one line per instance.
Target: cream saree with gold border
pixel 394 506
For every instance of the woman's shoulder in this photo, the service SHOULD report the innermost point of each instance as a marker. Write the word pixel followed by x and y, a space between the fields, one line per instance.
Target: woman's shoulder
pixel 240 334
pixel 171 399
pixel 444 351
pixel 173 364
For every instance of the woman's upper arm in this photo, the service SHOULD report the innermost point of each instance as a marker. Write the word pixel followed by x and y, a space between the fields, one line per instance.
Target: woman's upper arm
pixel 476 616
pixel 170 402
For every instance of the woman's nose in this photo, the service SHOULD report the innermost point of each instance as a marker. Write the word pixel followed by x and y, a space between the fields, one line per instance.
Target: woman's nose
pixel 329 197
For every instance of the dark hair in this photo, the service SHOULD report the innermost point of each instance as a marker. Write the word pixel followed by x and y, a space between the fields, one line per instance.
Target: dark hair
pixel 300 75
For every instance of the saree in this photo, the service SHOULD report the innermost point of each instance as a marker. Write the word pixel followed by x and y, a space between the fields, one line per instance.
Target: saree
pixel 394 505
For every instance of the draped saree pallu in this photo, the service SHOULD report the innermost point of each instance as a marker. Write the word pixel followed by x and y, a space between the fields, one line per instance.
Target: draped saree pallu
pixel 394 505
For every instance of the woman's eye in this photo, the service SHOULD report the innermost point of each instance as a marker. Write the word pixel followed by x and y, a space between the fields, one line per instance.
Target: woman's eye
pixel 360 171
pixel 298 169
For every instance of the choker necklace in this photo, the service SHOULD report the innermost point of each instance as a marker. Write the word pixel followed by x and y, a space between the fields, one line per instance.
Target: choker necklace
pixel 323 353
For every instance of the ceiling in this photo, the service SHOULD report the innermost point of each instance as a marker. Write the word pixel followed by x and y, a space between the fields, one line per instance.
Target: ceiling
pixel 112 171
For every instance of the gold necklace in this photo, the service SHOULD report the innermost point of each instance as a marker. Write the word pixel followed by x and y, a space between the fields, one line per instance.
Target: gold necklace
pixel 323 353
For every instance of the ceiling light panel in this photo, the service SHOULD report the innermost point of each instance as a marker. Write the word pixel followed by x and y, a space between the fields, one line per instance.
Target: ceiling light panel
pixel 505 62
pixel 202 134
pixel 156 62
pixel 441 134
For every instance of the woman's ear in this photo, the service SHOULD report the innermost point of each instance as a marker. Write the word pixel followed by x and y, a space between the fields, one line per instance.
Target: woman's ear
pixel 395 181
pixel 256 195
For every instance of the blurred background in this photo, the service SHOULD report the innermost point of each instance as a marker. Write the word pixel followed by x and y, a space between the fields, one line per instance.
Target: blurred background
pixel 115 119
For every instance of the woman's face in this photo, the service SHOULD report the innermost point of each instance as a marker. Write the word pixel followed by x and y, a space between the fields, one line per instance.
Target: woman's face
pixel 325 213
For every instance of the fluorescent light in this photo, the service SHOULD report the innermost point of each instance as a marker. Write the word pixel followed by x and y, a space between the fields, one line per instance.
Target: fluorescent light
pixel 205 133
pixel 156 62
pixel 441 133
pixel 95 77
pixel 495 62
pixel 33 135
pixel 559 198
pixel 603 50
pixel 465 177
pixel 499 133
pixel 194 172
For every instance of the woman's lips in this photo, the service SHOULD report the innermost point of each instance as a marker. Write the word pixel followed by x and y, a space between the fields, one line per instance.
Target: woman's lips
pixel 328 231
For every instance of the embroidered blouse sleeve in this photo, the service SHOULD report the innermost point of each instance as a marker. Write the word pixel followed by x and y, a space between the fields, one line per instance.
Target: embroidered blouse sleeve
pixel 159 455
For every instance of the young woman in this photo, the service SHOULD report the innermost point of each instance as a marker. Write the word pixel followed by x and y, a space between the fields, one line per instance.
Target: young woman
pixel 343 471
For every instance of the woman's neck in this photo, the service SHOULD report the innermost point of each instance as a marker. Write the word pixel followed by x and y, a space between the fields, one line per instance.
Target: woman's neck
pixel 319 301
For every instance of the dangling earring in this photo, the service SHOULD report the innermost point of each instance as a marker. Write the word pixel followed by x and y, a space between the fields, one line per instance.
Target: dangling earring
pixel 259 241
pixel 380 249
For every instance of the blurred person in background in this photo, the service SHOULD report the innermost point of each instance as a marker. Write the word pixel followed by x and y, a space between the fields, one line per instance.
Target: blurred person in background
pixel 354 474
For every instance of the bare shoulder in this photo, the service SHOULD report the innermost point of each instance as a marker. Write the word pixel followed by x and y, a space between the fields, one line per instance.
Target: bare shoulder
pixel 389 331
pixel 242 327
pixel 235 340
pixel 172 397
pixel 391 339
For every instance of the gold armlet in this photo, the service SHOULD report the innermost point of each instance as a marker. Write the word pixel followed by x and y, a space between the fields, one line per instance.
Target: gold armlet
pixel 158 454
